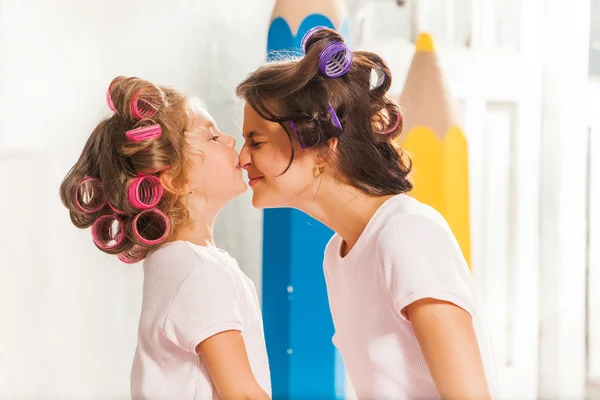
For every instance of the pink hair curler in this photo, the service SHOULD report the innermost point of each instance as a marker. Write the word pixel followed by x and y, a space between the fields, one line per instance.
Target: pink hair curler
pixel 89 196
pixel 132 256
pixel 109 101
pixel 144 133
pixel 151 226
pixel 114 209
pixel 394 128
pixel 154 171
pixel 108 232
pixel 145 192
pixel 141 109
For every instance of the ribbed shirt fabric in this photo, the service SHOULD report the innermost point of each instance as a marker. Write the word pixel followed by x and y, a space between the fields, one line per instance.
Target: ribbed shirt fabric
pixel 406 252
pixel 190 294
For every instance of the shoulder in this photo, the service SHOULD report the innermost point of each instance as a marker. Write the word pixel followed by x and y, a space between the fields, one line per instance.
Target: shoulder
pixel 173 253
pixel 187 261
pixel 332 246
pixel 414 229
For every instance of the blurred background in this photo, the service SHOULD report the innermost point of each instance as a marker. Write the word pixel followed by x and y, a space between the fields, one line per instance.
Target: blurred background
pixel 522 81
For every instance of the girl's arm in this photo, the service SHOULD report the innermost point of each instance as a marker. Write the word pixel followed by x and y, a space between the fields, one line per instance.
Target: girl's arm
pixel 447 339
pixel 225 357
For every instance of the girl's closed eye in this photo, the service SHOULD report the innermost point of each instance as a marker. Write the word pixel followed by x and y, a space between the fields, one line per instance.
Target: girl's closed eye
pixel 214 134
pixel 255 144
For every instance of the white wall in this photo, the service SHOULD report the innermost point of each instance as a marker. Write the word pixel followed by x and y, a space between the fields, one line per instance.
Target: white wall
pixel 563 199
pixel 69 313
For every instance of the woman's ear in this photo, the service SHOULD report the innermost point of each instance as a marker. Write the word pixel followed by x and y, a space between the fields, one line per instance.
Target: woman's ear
pixel 332 145
pixel 326 153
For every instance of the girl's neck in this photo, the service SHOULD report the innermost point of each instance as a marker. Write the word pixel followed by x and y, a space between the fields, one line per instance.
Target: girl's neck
pixel 199 230
pixel 199 233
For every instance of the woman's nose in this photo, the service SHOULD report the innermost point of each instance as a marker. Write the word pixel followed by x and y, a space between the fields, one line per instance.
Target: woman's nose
pixel 245 157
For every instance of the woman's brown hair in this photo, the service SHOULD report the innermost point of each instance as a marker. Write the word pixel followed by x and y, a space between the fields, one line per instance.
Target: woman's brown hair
pixel 115 162
pixel 295 91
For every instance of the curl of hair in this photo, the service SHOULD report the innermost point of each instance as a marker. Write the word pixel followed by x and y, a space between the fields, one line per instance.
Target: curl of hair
pixel 116 162
pixel 295 90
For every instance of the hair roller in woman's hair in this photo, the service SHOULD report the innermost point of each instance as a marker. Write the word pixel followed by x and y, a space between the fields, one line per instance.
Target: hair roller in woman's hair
pixel 335 60
pixel 335 121
pixel 308 34
pixel 396 124
pixel 376 78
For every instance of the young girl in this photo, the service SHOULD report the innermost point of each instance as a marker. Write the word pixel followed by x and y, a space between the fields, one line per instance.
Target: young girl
pixel 406 318
pixel 150 181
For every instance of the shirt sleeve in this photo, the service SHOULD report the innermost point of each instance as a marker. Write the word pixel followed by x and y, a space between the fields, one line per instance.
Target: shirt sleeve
pixel 205 304
pixel 422 259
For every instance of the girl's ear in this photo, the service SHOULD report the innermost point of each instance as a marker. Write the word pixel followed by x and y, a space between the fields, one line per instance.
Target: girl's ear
pixel 167 182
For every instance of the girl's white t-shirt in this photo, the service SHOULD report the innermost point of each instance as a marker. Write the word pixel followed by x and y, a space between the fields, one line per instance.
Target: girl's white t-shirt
pixel 406 252
pixel 190 294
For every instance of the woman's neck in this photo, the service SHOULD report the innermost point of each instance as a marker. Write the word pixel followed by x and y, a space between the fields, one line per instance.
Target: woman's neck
pixel 344 209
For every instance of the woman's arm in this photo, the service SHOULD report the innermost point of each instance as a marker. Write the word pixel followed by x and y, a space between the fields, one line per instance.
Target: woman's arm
pixel 447 339
pixel 225 357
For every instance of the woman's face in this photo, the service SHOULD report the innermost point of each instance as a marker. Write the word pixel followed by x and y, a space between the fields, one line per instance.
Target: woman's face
pixel 266 155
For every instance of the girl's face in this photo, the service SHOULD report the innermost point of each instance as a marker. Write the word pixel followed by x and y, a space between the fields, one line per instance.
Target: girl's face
pixel 215 168
pixel 266 155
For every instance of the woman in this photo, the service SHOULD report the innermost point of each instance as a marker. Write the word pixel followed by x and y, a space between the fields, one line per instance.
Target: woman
pixel 319 137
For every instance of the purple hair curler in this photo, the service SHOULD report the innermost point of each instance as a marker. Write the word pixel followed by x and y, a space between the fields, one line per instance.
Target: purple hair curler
pixel 145 192
pixel 335 60
pixel 334 118
pixel 335 121
pixel 298 137
pixel 151 226
pixel 89 196
pixel 307 36
pixel 108 232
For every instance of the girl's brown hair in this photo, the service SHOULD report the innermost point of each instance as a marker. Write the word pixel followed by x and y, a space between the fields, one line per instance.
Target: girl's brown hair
pixel 296 91
pixel 115 161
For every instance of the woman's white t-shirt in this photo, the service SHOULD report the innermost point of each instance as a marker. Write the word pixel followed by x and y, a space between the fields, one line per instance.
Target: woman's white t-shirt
pixel 406 252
